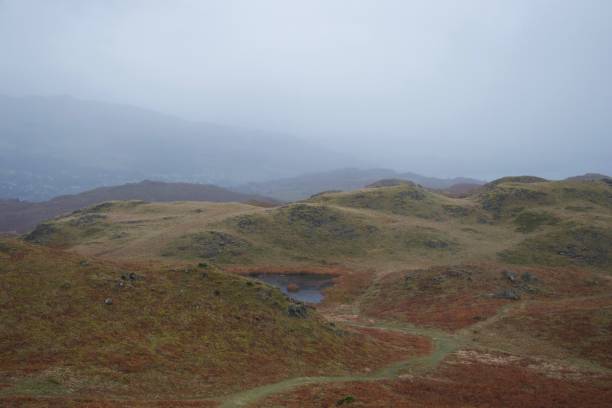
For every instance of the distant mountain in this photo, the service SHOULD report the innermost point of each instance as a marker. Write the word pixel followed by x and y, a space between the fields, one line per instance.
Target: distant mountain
pixel 21 216
pixel 461 189
pixel 59 145
pixel 296 188
pixel 589 177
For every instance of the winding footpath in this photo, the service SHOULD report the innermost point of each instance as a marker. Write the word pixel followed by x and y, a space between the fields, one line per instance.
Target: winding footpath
pixel 443 344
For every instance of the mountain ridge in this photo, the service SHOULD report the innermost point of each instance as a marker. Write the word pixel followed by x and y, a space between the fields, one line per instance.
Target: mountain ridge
pixel 20 216
pixel 57 145
pixel 345 179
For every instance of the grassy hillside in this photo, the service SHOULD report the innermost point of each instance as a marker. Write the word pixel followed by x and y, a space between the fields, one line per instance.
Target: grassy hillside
pixel 348 179
pixel 76 326
pixel 544 223
pixel 512 281
pixel 22 216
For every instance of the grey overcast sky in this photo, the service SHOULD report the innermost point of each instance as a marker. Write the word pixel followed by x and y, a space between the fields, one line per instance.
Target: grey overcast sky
pixel 442 87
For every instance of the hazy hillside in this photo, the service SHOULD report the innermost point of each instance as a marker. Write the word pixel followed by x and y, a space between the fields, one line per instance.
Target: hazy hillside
pixel 58 145
pixel 21 216
pixel 567 221
pixel 507 284
pixel 590 177
pixel 347 179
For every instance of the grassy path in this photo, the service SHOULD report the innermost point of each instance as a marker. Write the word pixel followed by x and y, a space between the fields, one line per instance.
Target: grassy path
pixel 443 344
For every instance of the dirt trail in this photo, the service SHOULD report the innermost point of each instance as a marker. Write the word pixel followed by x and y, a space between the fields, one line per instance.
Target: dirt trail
pixel 443 344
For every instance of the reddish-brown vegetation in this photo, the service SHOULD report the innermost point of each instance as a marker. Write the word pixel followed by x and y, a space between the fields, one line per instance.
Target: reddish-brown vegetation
pixel 464 380
pixel 62 402
pixel 455 297
pixel 574 327
pixel 187 331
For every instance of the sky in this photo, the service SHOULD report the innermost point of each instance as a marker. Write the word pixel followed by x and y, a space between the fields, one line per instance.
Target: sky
pixel 480 88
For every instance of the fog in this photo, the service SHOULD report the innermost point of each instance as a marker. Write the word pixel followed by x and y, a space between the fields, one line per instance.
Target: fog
pixel 445 88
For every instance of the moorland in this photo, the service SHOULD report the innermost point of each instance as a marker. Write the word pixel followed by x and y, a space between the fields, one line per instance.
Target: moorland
pixel 499 297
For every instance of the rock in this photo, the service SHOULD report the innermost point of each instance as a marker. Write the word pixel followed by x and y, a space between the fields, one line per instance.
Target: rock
pixel 84 263
pixel 108 301
pixel 509 294
pixel 511 276
pixel 528 277
pixel 131 276
pixel 408 281
pixel 436 244
pixel 292 287
pixel 297 310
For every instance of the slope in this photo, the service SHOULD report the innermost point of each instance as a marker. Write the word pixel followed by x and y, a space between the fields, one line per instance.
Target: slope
pixel 76 327
pixel 21 216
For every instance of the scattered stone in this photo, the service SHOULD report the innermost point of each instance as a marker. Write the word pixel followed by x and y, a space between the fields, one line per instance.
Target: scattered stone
pixel 456 272
pixel 509 294
pixel 297 310
pixel 436 244
pixel 408 280
pixel 528 277
pixel 509 275
pixel 131 276
pixel 108 301
pixel 436 280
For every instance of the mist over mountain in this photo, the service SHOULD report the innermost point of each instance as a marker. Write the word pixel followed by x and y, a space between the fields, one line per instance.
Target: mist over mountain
pixel 303 186
pixel 20 216
pixel 58 145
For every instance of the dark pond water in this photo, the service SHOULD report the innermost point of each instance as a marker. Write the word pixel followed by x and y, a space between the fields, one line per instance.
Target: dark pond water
pixel 307 287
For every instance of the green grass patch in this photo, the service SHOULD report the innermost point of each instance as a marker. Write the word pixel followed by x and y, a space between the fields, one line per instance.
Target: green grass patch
pixel 529 221
pixel 213 245
pixel 571 245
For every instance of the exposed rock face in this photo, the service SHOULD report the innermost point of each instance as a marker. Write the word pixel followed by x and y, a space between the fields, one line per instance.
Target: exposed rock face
pixel 297 310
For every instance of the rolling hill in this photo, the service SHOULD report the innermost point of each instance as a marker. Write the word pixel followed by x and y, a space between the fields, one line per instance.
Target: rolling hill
pixel 568 221
pixel 346 179
pixel 81 328
pixel 471 298
pixel 21 216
